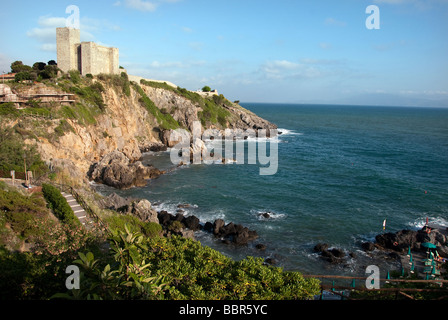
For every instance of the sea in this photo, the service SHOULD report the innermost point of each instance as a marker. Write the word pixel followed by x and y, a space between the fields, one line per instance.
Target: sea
pixel 343 171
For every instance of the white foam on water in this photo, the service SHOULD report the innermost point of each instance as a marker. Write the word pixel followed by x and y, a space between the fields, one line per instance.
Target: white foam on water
pixel 421 222
pixel 272 215
pixel 287 132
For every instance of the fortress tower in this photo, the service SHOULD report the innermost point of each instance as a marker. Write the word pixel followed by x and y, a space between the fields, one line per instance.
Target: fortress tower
pixel 86 57
pixel 67 42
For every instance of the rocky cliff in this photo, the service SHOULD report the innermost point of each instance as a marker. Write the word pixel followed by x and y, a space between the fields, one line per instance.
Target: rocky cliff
pixel 102 135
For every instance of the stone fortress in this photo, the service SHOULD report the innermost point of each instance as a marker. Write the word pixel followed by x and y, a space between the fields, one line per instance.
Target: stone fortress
pixel 92 58
pixel 86 57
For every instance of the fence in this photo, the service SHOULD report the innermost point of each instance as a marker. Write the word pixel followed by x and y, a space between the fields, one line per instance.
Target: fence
pixel 83 204
pixel 344 290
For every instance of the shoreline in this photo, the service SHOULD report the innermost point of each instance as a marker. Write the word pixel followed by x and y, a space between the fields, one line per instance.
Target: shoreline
pixel 361 254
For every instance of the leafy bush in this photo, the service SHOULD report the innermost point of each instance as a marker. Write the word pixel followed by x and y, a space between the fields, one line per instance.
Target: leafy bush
pixel 62 128
pixel 166 121
pixel 13 152
pixel 23 76
pixel 75 76
pixel 8 108
pixel 19 211
pixel 59 205
pixel 39 273
pixel 151 229
pixel 182 269
pixel 214 113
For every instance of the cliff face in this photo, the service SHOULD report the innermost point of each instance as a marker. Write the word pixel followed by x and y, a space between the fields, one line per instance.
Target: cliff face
pixel 125 124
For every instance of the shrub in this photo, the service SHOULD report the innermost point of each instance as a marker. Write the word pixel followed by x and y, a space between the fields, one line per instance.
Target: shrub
pixel 166 121
pixel 206 89
pixel 59 205
pixel 18 66
pixel 19 211
pixel 182 269
pixel 22 76
pixel 176 226
pixel 13 152
pixel 8 108
pixel 151 229
pixel 75 76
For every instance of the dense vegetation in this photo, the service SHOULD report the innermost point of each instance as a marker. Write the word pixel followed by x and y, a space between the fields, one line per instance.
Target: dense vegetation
pixel 178 268
pixel 15 155
pixel 35 248
pixel 59 205
pixel 139 265
pixel 213 110
pixel 165 120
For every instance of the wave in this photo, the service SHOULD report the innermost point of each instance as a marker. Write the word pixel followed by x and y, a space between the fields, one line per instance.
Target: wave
pixel 421 222
pixel 267 215
pixel 288 132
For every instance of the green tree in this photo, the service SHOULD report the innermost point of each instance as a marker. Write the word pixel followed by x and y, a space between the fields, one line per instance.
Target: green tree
pixel 18 66
pixel 22 76
pixel 206 89
pixel 39 66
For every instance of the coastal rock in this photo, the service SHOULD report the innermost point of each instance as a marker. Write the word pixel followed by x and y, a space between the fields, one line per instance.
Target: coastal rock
pixel 320 247
pixel 164 218
pixel 208 226
pixel 265 215
pixel 368 246
pixel 234 233
pixel 400 241
pixel 188 234
pixel 154 147
pixel 114 202
pixel 192 223
pixel 217 225
pixel 333 256
pixel 143 210
pixel 116 170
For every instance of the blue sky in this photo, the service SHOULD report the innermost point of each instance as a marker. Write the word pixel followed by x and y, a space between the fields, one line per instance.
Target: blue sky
pixel 256 50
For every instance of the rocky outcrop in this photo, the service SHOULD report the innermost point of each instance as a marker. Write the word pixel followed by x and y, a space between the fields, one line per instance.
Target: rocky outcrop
pixel 114 202
pixel 229 233
pixel 233 233
pixel 142 209
pixel 124 124
pixel 116 170
pixel 401 240
pixel 333 255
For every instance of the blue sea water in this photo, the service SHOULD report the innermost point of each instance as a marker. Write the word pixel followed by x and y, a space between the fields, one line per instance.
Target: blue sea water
pixel 342 170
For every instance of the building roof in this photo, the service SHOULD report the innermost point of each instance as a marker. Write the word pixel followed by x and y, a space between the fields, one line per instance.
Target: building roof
pixel 7 76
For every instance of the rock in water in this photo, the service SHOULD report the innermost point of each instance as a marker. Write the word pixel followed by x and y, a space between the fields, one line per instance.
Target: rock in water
pixel 116 170
pixel 143 210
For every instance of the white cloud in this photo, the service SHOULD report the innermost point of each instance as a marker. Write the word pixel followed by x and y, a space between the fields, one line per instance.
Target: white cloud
pixel 45 32
pixel 334 22
pixel 144 5
pixel 418 4
pixel 284 69
pixel 196 46
pixel 325 45
pixel 141 5
pixel 187 29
